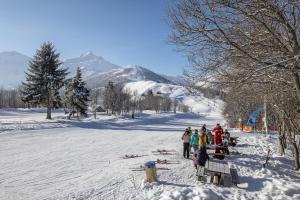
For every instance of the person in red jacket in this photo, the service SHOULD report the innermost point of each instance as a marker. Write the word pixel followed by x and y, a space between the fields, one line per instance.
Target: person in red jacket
pixel 218 128
pixel 218 138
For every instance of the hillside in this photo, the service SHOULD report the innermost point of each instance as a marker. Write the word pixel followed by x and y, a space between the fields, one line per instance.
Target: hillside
pixel 123 76
pixel 195 100
pixel 12 67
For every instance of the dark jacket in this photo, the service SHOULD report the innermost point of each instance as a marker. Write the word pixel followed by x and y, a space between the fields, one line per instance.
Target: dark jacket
pixel 202 156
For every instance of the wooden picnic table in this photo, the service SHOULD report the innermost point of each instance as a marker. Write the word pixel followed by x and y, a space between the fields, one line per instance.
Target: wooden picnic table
pixel 220 169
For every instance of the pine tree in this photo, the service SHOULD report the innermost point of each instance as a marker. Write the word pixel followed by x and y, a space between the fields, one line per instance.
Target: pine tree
pixel 44 78
pixel 77 95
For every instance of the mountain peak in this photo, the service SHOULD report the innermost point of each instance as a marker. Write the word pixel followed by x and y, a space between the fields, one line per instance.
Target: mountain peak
pixel 138 67
pixel 88 54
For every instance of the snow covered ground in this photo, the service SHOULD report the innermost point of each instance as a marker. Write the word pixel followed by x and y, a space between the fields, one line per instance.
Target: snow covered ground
pixel 81 159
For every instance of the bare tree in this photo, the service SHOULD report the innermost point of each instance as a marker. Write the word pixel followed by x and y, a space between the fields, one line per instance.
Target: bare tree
pixel 243 46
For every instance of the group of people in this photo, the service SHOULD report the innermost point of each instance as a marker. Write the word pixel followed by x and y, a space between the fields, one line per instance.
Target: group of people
pixel 198 139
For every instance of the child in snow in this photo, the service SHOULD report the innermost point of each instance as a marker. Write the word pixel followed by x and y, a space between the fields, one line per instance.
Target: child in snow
pixel 189 131
pixel 203 129
pixel 190 134
pixel 202 139
pixel 227 134
pixel 186 143
pixel 210 139
pixel 194 142
pixel 200 157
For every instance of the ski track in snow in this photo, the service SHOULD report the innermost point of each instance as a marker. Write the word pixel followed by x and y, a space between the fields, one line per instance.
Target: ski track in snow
pixel 81 159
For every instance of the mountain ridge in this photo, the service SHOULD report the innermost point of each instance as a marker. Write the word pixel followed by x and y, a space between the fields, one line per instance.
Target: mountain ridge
pixel 13 66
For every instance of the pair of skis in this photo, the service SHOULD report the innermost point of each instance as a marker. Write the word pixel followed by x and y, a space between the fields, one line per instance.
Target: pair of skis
pixel 164 152
pixel 165 161
pixel 157 152
pixel 142 168
pixel 132 156
pixel 158 161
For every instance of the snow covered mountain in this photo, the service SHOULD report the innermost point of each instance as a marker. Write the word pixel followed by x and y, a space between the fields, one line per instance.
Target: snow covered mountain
pixel 90 64
pixel 124 75
pixel 178 80
pixel 12 68
pixel 96 70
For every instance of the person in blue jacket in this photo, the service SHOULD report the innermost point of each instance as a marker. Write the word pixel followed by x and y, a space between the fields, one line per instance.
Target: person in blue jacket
pixel 194 142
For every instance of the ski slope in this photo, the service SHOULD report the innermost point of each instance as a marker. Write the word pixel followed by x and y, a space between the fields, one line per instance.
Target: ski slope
pixel 195 101
pixel 81 159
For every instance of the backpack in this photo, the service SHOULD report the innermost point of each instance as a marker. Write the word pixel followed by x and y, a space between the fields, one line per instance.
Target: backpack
pixel 220 157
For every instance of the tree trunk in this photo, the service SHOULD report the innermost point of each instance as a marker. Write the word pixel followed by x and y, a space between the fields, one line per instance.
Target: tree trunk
pixel 48 113
pixel 297 84
pixel 281 144
pixel 70 114
pixel 296 155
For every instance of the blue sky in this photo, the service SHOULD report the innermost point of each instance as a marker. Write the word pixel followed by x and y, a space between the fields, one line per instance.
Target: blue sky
pixel 122 31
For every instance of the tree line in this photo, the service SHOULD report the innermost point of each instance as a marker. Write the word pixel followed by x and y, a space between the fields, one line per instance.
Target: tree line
pixel 250 51
pixel 11 98
pixel 118 101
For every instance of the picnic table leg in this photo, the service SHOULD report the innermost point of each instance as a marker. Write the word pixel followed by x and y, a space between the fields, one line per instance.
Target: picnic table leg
pixel 216 180
pixel 221 179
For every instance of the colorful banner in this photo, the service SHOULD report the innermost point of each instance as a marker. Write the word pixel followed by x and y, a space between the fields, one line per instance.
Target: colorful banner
pixel 253 117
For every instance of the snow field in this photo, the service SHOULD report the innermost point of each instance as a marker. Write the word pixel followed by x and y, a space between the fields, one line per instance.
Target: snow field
pixel 82 160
